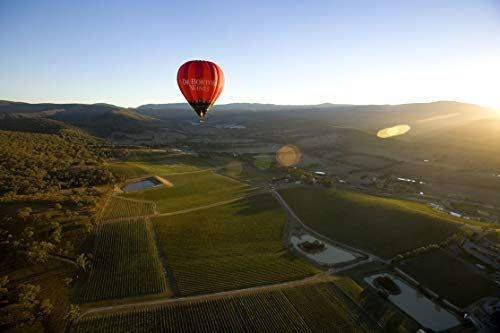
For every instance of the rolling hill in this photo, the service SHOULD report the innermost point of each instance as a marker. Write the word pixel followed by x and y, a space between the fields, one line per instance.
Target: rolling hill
pixel 99 119
pixel 105 119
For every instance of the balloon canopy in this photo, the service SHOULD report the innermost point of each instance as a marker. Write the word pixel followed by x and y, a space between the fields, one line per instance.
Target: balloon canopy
pixel 201 83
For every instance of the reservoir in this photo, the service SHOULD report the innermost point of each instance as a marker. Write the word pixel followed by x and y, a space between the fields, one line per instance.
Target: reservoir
pixel 418 306
pixel 328 256
pixel 140 185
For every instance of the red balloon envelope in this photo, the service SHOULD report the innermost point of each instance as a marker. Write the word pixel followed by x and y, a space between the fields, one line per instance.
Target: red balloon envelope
pixel 201 83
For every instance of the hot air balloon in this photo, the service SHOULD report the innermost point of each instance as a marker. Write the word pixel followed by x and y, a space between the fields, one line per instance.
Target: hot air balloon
pixel 201 83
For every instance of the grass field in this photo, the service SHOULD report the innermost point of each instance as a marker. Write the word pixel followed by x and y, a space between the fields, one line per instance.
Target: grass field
pixel 192 190
pixel 126 263
pixel 139 169
pixel 119 207
pixel 229 247
pixel 160 156
pixel 385 227
pixel 314 308
pixel 449 277
pixel 147 155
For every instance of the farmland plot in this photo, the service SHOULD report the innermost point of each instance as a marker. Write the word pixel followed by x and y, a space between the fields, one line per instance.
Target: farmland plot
pixel 121 208
pixel 229 247
pixel 126 263
pixel 288 310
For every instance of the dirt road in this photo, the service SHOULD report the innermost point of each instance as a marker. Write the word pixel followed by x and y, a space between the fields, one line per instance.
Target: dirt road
pixel 321 277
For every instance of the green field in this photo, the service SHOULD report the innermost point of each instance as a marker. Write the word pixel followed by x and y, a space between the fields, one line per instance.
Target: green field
pixel 147 155
pixel 126 170
pixel 229 247
pixel 192 190
pixel 151 155
pixel 385 227
pixel 126 263
pixel 314 308
pixel 121 208
pixel 139 169
pixel 439 272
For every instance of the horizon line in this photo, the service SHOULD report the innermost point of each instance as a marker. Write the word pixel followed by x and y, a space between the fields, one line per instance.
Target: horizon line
pixel 262 103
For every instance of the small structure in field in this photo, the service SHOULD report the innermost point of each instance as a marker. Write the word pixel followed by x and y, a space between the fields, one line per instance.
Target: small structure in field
pixel 320 173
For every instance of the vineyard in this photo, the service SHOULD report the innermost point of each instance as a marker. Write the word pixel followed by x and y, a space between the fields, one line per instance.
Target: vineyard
pixel 229 247
pixel 192 190
pixel 437 270
pixel 313 308
pixel 354 219
pixel 126 263
pixel 121 208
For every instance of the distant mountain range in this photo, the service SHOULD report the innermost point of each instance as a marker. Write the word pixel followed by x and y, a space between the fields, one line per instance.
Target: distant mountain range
pixel 103 119
pixel 100 119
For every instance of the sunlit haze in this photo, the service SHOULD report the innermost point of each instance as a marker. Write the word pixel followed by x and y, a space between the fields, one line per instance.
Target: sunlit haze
pixel 357 52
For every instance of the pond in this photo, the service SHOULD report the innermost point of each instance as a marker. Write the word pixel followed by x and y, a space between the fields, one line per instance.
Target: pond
pixel 327 256
pixel 418 306
pixel 140 185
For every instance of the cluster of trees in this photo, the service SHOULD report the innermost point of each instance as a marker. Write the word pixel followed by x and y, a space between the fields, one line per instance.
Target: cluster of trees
pixel 22 305
pixel 49 200
pixel 428 248
pixel 308 177
pixel 37 234
pixel 33 162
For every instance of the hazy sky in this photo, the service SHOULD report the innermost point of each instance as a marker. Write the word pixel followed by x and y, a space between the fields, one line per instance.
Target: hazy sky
pixel 286 52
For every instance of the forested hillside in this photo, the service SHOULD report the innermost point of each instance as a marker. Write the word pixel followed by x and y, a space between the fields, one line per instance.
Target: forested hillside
pixel 98 119
pixel 51 188
pixel 30 163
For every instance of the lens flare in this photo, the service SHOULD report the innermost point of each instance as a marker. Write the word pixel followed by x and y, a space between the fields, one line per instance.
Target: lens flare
pixel 288 155
pixel 393 131
pixel 445 116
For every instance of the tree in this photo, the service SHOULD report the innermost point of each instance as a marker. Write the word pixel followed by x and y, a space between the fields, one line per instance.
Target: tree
pixel 68 281
pixel 38 252
pixel 28 294
pixel 4 280
pixel 72 313
pixel 24 213
pixel 56 232
pixel 44 309
pixel 83 261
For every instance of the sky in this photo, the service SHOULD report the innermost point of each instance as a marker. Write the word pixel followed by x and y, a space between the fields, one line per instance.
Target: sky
pixel 285 52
